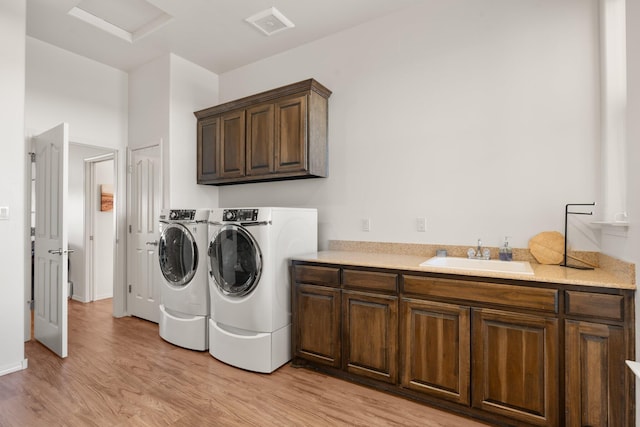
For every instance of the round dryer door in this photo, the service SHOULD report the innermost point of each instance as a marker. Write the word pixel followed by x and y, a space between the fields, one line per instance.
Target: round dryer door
pixel 178 254
pixel 235 260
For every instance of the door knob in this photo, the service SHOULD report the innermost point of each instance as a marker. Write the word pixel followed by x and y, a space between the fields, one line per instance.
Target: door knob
pixel 154 243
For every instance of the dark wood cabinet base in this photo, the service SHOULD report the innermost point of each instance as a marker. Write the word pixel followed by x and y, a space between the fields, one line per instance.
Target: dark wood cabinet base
pixel 503 351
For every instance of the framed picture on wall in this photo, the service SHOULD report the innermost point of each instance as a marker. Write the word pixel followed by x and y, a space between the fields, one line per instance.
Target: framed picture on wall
pixel 106 197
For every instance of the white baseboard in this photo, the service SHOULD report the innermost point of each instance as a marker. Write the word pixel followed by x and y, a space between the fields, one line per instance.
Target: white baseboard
pixel 14 368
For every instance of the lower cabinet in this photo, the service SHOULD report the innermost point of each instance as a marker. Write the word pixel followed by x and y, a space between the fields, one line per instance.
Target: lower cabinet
pixel 509 353
pixel 594 375
pixel 515 359
pixel 316 324
pixel 370 335
pixel 436 349
pixel 515 366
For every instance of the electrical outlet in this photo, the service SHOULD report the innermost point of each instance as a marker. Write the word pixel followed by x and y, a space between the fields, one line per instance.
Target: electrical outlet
pixel 366 224
pixel 421 224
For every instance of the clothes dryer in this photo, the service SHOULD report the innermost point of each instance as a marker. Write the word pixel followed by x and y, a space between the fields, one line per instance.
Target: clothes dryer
pixel 182 249
pixel 248 259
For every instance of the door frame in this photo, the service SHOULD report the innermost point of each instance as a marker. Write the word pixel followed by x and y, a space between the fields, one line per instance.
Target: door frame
pixel 90 206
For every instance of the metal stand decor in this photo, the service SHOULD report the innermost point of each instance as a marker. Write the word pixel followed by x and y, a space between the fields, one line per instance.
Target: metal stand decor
pixel 566 214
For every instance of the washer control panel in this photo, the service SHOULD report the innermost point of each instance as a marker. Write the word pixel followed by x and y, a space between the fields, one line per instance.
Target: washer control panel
pixel 182 214
pixel 240 215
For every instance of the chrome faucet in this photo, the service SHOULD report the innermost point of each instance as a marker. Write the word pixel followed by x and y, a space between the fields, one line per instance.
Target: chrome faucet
pixel 479 252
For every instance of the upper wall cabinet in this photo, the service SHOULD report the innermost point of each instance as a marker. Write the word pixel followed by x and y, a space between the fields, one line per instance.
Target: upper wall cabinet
pixel 274 135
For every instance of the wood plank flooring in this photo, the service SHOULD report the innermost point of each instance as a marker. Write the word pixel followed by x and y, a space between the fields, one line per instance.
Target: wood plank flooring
pixel 121 373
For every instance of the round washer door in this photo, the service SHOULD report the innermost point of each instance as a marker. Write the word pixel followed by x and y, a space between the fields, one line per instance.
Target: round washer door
pixel 178 254
pixel 235 260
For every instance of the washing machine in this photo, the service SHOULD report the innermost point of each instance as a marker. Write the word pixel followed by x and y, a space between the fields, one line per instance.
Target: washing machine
pixel 249 284
pixel 182 253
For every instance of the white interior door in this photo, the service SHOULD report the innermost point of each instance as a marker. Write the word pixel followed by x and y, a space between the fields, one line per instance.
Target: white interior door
pixel 143 274
pixel 51 251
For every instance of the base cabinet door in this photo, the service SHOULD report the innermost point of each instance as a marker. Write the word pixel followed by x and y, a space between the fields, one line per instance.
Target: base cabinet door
pixel 370 335
pixel 317 322
pixel 594 375
pixel 435 349
pixel 515 366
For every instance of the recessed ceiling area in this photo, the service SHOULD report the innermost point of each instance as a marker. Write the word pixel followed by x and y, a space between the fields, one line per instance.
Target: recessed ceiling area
pixel 127 19
pixel 211 33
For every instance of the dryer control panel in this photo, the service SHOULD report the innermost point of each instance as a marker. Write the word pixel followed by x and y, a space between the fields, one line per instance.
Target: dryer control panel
pixel 239 215
pixel 182 214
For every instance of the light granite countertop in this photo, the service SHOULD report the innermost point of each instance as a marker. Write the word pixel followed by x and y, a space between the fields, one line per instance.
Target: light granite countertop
pixel 542 273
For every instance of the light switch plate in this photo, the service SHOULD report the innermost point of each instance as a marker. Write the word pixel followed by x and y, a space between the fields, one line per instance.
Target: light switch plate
pixel 4 212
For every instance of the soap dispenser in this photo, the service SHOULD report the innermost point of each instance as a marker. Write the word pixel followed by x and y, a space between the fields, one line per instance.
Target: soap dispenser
pixel 505 252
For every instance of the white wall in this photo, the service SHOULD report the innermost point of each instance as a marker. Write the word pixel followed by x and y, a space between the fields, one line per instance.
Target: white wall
pixel 148 103
pixel 149 111
pixel 163 94
pixel 193 88
pixel 13 252
pixel 482 117
pixel 65 87
pixel 75 216
pixel 92 98
pixel 103 235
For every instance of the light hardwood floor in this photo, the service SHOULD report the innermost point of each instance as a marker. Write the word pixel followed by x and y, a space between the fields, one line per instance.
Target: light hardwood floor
pixel 121 373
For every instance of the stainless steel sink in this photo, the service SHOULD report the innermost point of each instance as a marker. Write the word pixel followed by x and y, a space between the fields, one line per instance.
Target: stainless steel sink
pixel 490 265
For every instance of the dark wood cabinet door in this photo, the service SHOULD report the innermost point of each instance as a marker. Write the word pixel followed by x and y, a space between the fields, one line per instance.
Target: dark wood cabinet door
pixel 317 324
pixel 370 335
pixel 260 140
pixel 208 155
pixel 515 366
pixel 232 144
pixel 436 349
pixel 291 134
pixel 594 375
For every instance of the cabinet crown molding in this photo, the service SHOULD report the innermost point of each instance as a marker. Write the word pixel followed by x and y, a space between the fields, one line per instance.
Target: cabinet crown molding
pixel 266 96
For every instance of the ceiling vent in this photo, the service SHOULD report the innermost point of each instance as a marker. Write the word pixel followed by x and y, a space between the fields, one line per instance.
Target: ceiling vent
pixel 128 19
pixel 270 21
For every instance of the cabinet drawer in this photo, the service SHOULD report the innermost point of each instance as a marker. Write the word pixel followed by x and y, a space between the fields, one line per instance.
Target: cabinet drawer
pixel 492 293
pixel 595 305
pixel 370 280
pixel 317 275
